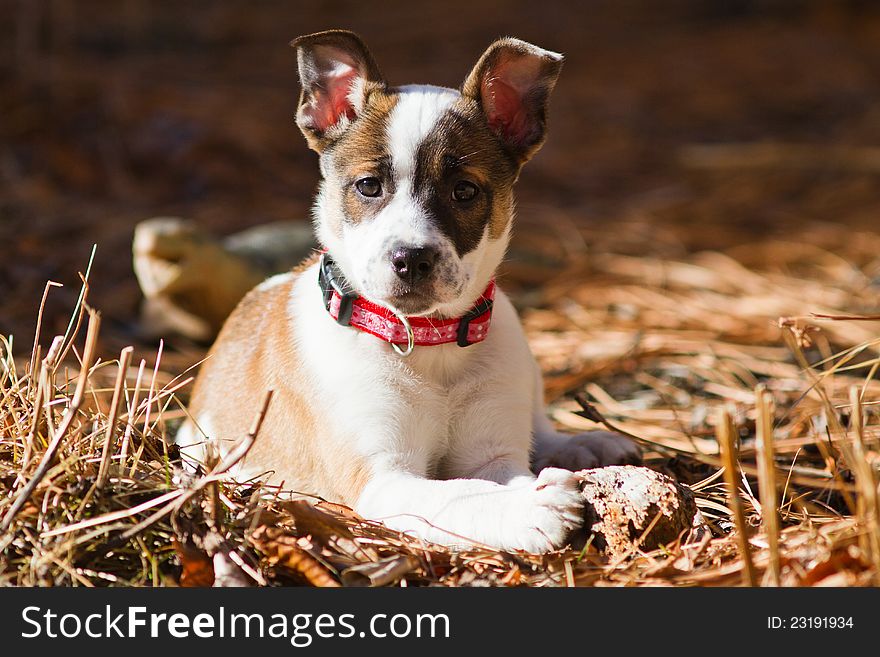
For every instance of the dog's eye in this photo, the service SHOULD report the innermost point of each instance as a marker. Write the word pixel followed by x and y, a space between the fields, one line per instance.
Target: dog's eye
pixel 464 191
pixel 369 187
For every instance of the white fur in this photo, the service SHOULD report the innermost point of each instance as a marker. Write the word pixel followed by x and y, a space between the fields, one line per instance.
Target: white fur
pixel 274 281
pixel 193 439
pixel 446 432
pixel 418 108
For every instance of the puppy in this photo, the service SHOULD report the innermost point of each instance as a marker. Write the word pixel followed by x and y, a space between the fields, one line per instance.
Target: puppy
pixel 403 383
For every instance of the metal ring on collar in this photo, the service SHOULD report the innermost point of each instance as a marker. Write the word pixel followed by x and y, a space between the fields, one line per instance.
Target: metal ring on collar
pixel 410 336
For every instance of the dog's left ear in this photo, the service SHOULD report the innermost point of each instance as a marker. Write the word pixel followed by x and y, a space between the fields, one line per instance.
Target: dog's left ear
pixel 512 82
pixel 337 72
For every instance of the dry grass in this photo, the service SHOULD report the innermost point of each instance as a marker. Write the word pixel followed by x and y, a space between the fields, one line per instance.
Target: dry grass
pixel 687 355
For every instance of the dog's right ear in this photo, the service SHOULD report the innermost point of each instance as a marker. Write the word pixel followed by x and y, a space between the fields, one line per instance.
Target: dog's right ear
pixel 336 72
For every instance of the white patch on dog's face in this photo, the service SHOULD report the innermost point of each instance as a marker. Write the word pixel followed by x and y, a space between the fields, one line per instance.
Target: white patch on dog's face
pixel 404 222
pixel 424 151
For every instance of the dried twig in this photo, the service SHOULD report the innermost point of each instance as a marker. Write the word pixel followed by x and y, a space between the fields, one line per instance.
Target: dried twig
pixel 61 432
pixel 729 457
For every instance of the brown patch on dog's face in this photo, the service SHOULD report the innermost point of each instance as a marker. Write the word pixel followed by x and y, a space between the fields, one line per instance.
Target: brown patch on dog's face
pixel 362 152
pixel 462 151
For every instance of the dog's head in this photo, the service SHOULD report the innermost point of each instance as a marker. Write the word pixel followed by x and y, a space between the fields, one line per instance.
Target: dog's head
pixel 416 199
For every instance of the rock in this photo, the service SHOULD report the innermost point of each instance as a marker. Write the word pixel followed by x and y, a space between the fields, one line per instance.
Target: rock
pixel 623 501
pixel 192 281
pixel 273 248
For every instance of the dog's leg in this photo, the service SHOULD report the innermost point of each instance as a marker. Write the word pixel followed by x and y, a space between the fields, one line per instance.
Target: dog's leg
pixel 536 515
pixel 592 449
pixel 485 492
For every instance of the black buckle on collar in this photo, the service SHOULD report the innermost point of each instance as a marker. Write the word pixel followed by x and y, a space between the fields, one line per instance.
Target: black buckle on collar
pixel 331 280
pixel 464 324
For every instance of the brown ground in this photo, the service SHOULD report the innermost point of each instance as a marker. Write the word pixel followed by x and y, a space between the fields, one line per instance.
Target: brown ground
pixel 677 127
pixel 113 112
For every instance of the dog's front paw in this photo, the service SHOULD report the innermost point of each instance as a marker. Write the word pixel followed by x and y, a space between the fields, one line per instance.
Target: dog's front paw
pixel 552 508
pixel 593 449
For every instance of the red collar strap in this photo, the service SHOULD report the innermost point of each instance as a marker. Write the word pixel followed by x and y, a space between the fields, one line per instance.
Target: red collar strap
pixel 350 309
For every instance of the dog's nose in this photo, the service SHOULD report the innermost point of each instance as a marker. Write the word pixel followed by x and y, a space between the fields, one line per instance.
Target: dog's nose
pixel 413 264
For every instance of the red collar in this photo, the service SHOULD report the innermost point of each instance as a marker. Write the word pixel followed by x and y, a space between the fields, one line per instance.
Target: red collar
pixel 350 309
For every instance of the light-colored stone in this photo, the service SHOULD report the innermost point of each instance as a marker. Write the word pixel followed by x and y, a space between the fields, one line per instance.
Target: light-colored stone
pixel 192 281
pixel 623 501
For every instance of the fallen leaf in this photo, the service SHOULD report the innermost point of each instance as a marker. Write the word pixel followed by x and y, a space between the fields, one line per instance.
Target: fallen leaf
pixel 282 550
pixel 198 568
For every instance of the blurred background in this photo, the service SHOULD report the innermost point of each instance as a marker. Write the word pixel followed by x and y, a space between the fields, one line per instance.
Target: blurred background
pixel 677 126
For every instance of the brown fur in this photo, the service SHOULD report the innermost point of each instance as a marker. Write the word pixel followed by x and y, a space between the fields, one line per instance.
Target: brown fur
pixel 363 151
pixel 257 351
pixel 464 148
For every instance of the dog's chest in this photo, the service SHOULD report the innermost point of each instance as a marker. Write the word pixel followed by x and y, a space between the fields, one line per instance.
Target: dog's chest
pixel 438 394
pixel 368 394
pixel 417 415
